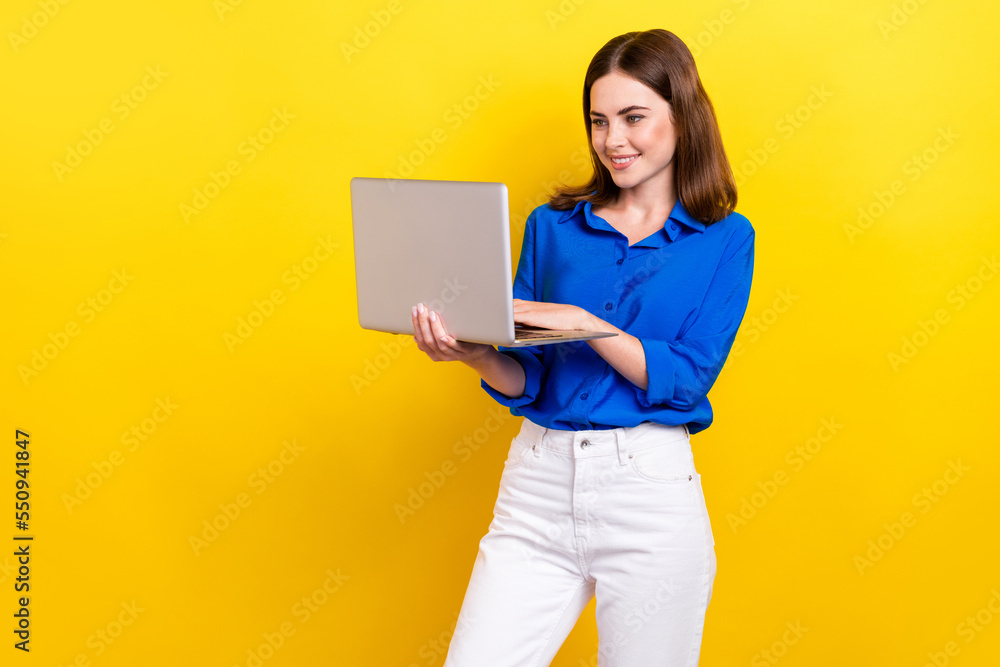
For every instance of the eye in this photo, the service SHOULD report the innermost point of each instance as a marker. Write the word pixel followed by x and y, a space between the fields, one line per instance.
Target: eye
pixel 634 118
pixel 597 121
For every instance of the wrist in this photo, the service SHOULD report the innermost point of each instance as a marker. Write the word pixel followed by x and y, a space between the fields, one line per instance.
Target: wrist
pixel 591 322
pixel 483 359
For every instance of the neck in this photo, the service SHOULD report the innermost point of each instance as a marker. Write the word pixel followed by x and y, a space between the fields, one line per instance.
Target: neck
pixel 649 200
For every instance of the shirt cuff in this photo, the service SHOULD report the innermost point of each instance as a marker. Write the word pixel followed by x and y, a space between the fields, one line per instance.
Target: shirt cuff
pixel 677 375
pixel 532 377
pixel 659 373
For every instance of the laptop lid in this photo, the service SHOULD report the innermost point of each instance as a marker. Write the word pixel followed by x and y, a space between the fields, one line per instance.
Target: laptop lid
pixel 445 244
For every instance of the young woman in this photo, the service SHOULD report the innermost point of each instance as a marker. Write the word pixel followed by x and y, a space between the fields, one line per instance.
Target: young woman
pixel 599 494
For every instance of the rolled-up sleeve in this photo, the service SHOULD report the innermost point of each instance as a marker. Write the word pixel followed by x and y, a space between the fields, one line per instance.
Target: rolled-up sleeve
pixel 529 357
pixel 680 372
pixel 531 363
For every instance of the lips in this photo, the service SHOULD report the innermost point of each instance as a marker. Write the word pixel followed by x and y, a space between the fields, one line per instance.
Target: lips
pixel 620 162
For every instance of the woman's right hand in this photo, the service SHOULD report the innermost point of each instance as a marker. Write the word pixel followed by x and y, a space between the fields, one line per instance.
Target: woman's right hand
pixel 431 338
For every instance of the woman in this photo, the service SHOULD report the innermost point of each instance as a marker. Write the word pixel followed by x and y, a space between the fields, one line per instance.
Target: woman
pixel 599 495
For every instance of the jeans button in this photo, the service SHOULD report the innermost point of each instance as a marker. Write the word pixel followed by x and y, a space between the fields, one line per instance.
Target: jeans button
pixel 585 444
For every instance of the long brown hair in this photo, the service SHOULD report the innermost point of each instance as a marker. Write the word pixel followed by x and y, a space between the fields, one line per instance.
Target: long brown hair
pixel 702 176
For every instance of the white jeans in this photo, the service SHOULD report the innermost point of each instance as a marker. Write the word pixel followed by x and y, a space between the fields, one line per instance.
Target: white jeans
pixel 618 514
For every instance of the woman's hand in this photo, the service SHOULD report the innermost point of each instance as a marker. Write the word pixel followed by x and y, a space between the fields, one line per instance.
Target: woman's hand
pixel 554 316
pixel 431 338
pixel 500 371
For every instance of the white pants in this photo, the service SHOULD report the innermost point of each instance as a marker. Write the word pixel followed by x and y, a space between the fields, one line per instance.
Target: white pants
pixel 618 514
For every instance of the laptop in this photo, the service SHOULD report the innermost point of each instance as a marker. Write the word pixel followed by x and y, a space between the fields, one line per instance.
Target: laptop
pixel 445 244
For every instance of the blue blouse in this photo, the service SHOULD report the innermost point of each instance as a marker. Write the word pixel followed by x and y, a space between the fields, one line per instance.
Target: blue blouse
pixel 682 291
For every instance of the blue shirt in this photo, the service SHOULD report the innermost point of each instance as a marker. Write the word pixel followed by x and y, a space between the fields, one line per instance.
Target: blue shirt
pixel 682 291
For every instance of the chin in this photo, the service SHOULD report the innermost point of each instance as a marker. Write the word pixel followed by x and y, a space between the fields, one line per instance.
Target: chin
pixel 624 182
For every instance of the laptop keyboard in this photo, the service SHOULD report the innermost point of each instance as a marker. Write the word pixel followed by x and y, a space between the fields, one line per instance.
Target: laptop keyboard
pixel 525 333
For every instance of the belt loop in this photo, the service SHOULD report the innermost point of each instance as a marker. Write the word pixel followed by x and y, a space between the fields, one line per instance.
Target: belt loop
pixel 687 431
pixel 536 447
pixel 620 434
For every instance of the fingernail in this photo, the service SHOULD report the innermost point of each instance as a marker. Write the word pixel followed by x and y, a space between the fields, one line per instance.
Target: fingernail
pixel 420 307
pixel 433 316
pixel 414 311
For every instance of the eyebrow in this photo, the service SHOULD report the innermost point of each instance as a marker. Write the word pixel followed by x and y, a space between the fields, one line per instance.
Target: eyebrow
pixel 621 112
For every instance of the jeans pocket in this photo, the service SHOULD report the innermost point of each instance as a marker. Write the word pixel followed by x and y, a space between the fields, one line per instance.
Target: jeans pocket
pixel 520 451
pixel 666 463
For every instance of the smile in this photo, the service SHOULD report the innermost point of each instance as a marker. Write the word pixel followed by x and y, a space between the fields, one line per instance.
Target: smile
pixel 623 162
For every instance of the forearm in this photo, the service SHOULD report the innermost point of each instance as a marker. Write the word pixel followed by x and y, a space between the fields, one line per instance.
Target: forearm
pixel 500 371
pixel 623 352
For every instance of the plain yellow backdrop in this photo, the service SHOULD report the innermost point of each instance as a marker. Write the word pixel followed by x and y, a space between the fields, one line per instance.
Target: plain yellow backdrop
pixel 226 470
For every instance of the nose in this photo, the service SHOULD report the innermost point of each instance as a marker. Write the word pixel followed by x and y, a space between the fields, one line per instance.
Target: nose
pixel 616 135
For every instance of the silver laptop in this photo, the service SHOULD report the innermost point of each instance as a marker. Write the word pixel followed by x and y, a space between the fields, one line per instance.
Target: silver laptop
pixel 445 244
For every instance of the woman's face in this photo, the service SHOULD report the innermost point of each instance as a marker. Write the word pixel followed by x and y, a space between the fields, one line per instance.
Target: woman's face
pixel 632 131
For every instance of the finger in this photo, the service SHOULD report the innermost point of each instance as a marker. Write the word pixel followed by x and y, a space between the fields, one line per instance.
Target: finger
pixel 413 322
pixel 416 327
pixel 444 342
pixel 437 327
pixel 448 345
pixel 425 331
pixel 425 327
pixel 418 335
pixel 525 313
pixel 462 350
pixel 457 349
pixel 521 307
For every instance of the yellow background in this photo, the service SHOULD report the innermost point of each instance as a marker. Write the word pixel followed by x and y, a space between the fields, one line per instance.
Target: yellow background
pixel 869 86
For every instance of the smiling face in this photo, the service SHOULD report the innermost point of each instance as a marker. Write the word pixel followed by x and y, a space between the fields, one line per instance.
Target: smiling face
pixel 632 131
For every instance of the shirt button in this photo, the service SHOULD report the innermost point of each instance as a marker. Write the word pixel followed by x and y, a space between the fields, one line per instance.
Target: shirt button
pixel 608 306
pixel 585 444
pixel 673 227
pixel 620 261
pixel 584 396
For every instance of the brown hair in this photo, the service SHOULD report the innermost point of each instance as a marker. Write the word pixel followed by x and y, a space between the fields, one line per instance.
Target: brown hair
pixel 702 176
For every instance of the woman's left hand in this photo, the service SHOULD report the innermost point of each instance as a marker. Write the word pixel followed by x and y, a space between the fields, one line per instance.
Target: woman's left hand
pixel 553 315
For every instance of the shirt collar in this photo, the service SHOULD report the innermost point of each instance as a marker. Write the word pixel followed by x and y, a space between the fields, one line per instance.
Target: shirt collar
pixel 678 217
